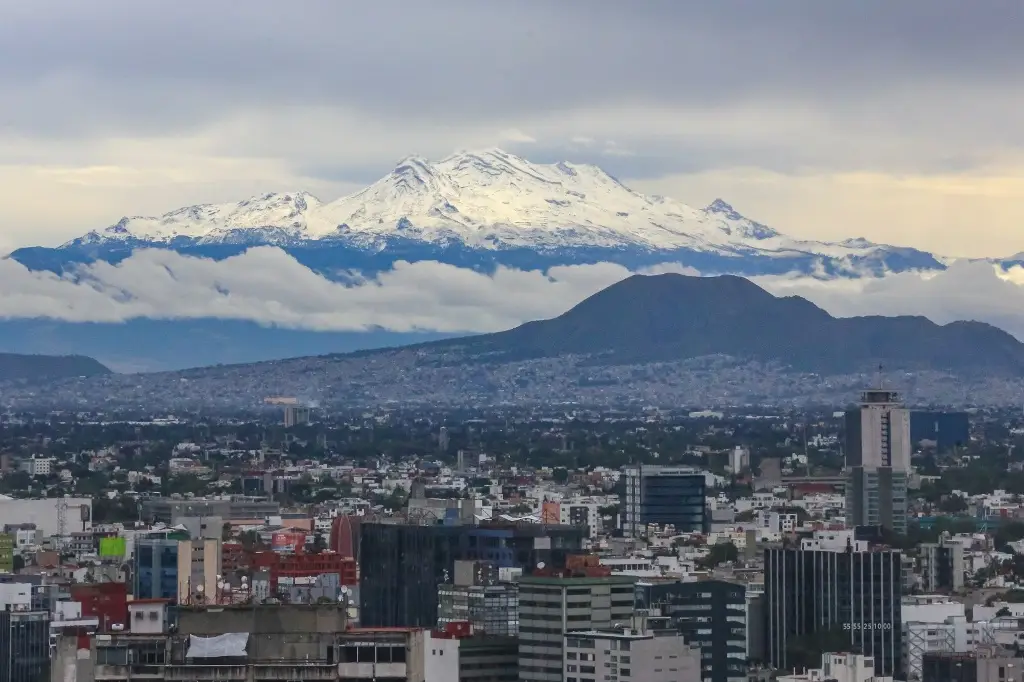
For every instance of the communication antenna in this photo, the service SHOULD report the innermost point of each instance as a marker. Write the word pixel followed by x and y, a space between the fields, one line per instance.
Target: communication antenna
pixel 880 377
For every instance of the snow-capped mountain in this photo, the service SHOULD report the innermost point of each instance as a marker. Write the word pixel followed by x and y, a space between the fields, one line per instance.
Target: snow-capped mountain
pixel 482 209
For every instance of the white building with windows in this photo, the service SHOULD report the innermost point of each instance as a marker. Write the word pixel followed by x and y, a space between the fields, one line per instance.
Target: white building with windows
pixel 630 654
pixel 37 466
pixel 954 635
pixel 840 667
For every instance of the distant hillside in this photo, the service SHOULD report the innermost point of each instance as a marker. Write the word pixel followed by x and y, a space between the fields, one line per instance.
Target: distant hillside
pixel 671 317
pixel 666 340
pixel 15 367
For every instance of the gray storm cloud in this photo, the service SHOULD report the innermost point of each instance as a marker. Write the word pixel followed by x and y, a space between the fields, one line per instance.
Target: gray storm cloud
pixel 682 82
pixel 267 286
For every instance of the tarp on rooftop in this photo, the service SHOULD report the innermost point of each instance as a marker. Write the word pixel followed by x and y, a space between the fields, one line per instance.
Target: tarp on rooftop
pixel 227 645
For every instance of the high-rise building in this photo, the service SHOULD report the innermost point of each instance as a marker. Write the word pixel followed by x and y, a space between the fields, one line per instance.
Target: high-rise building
pixel 710 614
pixel 878 448
pixel 24 646
pixel 401 564
pixel 295 416
pixel 942 565
pixel 155 567
pixel 478 598
pixel 663 496
pixel 834 589
pixel 199 571
pixel 444 440
pixel 553 604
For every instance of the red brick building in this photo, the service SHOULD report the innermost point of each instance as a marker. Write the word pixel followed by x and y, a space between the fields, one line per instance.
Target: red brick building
pixel 106 601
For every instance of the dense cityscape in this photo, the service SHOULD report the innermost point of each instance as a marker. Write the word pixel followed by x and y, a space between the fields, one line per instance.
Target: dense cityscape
pixel 296 543
pixel 558 341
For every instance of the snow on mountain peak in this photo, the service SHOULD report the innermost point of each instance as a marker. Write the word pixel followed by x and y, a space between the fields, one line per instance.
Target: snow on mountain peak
pixel 721 206
pixel 484 199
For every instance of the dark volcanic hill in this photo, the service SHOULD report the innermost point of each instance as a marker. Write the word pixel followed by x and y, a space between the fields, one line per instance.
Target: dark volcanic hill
pixel 669 317
pixel 16 367
pixel 664 340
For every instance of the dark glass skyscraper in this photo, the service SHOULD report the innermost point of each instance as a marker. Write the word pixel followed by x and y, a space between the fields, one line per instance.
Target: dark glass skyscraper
pixel 663 496
pixel 839 592
pixel 709 613
pixel 24 646
pixel 402 564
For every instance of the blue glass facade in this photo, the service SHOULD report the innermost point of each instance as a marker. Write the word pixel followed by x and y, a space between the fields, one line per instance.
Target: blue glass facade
pixel 664 496
pixel 156 569
pixel 948 429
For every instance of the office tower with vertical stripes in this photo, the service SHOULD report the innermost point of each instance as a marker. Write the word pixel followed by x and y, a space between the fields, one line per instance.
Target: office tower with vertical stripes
pixel 834 590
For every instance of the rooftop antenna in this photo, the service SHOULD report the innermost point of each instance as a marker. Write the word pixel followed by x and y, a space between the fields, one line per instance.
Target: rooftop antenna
pixel 880 376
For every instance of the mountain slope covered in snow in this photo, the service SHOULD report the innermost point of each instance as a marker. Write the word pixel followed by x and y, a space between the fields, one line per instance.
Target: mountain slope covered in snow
pixel 482 210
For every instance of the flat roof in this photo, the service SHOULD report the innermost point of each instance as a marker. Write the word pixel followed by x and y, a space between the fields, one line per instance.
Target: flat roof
pixel 585 580
pixel 610 634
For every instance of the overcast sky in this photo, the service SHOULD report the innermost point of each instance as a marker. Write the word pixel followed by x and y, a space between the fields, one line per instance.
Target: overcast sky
pixel 895 121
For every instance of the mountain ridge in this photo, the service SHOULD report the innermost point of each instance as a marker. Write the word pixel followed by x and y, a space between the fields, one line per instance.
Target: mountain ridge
pixel 484 209
pixel 654 318
pixel 481 211
pixel 37 368
pixel 660 339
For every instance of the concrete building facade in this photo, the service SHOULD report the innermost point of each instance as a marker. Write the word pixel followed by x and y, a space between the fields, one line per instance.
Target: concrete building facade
pixel 631 654
pixel 878 449
pixel 942 566
pixel 551 606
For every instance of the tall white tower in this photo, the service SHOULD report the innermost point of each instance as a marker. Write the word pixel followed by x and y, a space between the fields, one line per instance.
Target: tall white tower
pixel 878 449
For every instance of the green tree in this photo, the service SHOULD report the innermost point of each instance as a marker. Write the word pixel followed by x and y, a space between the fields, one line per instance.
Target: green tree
pixel 952 504
pixel 721 553
pixel 805 651
pixel 1008 532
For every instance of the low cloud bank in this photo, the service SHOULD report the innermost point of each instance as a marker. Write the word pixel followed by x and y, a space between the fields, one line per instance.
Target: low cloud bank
pixel 268 286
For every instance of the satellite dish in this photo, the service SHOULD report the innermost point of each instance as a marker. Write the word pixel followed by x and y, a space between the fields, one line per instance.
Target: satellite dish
pixel 541 564
pixel 200 588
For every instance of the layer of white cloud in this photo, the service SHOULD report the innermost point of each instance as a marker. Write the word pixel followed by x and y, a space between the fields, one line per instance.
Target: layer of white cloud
pixel 267 286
